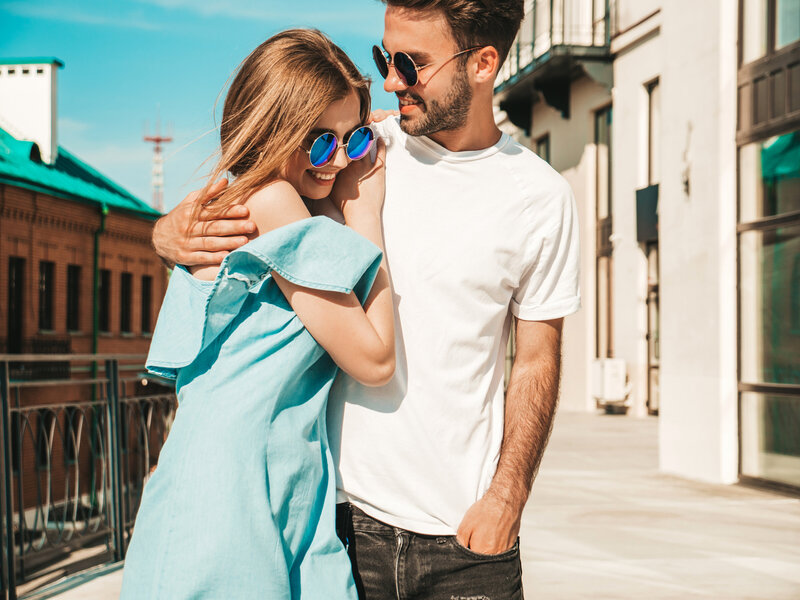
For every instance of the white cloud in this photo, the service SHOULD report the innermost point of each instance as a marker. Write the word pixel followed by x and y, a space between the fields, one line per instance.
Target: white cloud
pixel 53 12
pixel 71 126
pixel 272 12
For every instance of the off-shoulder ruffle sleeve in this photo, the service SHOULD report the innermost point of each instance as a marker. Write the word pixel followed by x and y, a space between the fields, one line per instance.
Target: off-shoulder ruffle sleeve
pixel 316 252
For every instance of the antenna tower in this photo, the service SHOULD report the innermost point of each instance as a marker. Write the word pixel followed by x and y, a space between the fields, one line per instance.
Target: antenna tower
pixel 158 166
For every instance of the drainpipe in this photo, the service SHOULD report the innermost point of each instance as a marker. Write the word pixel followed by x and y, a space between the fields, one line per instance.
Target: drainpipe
pixel 96 285
pixel 93 442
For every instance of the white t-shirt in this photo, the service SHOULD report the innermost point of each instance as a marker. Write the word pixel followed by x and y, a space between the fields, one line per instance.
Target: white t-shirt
pixel 469 237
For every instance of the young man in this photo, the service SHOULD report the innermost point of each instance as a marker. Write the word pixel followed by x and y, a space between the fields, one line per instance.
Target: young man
pixel 435 467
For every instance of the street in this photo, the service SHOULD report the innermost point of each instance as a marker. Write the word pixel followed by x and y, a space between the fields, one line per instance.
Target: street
pixel 602 523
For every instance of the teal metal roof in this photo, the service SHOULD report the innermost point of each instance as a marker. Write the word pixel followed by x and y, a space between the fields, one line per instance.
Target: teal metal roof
pixel 69 177
pixel 32 60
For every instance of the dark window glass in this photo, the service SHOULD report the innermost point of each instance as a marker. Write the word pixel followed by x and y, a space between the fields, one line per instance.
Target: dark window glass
pixel 770 345
pixel 771 437
pixel 73 297
pixel 16 297
pixel 769 177
pixel 46 283
pixel 604 263
pixel 147 299
pixel 104 293
pixel 602 138
pixel 125 289
pixel 543 147
pixel 654 133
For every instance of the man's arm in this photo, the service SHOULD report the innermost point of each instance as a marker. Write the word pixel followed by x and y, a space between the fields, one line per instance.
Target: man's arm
pixel 492 524
pixel 180 237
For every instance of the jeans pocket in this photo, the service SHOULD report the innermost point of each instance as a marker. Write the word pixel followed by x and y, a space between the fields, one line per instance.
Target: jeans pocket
pixel 511 553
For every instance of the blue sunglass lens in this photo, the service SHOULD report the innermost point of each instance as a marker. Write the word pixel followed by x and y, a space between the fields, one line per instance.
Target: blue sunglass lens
pixel 322 149
pixel 359 143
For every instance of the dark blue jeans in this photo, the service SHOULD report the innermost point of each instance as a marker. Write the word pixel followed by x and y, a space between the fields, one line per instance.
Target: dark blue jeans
pixel 392 563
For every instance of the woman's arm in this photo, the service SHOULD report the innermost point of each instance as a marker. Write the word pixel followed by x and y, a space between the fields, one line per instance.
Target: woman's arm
pixel 360 340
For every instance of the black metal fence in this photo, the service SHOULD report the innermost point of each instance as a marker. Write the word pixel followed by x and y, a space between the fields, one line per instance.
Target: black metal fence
pixel 76 453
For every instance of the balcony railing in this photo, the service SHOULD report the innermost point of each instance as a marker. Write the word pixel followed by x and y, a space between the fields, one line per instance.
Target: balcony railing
pixel 76 454
pixel 554 25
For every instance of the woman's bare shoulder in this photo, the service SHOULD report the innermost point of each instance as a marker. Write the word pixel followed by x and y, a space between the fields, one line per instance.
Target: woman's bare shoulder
pixel 275 205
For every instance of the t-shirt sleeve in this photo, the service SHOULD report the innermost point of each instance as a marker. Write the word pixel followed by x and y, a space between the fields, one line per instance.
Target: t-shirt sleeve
pixel 549 287
pixel 316 253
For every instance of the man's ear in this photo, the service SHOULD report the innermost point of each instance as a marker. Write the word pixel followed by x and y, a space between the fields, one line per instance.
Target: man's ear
pixel 487 62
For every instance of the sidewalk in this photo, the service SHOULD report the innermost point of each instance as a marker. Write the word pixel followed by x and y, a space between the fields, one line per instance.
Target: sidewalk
pixel 604 524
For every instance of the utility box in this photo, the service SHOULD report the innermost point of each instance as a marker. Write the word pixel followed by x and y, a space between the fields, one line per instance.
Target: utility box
pixel 609 385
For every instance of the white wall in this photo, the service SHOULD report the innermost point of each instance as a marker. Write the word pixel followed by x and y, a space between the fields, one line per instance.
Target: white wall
pixel 572 153
pixel 698 419
pixel 28 105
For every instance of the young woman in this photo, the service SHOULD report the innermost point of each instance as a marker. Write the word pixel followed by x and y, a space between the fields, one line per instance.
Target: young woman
pixel 242 503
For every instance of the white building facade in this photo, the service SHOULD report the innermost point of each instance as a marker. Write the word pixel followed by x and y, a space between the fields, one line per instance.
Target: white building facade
pixel 678 126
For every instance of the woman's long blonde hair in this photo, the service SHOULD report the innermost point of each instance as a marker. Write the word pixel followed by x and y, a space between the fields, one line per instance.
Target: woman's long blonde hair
pixel 279 92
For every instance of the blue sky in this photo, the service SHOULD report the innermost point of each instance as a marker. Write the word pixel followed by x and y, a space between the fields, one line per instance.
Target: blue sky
pixel 128 60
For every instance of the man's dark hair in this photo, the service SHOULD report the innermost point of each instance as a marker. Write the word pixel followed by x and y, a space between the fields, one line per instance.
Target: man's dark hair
pixel 475 22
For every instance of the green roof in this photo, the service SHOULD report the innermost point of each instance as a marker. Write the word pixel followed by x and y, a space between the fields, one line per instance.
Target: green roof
pixel 32 60
pixel 69 177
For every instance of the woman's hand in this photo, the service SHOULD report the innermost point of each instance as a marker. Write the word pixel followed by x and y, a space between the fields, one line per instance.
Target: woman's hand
pixel 360 187
pixel 379 115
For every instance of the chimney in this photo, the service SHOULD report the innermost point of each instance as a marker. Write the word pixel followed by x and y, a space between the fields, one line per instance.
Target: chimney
pixel 28 101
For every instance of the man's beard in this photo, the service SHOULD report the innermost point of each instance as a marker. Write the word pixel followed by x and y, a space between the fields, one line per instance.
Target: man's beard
pixel 449 114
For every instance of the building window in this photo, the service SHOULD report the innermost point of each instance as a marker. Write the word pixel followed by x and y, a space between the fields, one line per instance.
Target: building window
pixel 768 26
pixel 125 291
pixel 16 304
pixel 73 297
pixel 104 296
pixel 653 133
pixel 147 300
pixel 769 308
pixel 543 147
pixel 787 23
pixel 604 346
pixel 46 292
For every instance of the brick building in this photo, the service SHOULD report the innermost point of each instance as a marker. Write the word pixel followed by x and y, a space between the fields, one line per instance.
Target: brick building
pixel 78 275
pixel 65 231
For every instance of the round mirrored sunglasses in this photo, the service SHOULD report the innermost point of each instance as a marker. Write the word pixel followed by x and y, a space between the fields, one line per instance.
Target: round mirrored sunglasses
pixel 324 146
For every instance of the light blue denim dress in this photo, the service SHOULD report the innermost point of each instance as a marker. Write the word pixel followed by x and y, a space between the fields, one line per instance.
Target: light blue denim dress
pixel 242 503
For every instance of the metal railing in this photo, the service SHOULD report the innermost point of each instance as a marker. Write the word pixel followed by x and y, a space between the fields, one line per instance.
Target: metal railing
pixel 77 452
pixel 554 23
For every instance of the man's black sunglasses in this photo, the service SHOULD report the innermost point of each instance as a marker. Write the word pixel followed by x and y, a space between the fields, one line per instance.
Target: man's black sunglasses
pixel 407 71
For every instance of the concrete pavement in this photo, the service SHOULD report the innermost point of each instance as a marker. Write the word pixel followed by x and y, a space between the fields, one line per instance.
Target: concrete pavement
pixel 602 523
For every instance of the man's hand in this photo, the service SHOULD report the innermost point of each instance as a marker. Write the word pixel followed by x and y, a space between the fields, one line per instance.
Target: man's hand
pixel 181 239
pixel 490 526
